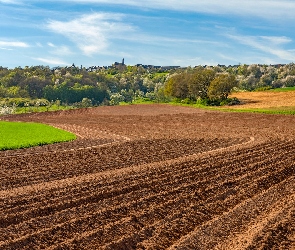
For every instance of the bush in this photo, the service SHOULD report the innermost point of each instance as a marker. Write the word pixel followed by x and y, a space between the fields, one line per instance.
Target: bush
pixel 5 110
pixel 187 101
pixel 24 102
pixel 289 81
pixel 116 99
pixel 277 83
pixel 201 101
pixel 230 102
pixel 263 88
pixel 219 102
pixel 150 96
pixel 86 103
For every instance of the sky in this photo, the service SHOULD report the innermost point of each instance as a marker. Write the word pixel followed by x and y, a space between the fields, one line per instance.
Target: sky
pixel 155 32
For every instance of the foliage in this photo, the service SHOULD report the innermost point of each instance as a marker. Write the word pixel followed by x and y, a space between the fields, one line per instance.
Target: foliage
pixel 6 110
pixel 177 85
pixel 24 102
pixel 110 86
pixel 193 84
pixel 263 88
pixel 127 95
pixel 74 94
pixel 230 102
pixel 86 102
pixel 221 86
pixel 199 83
pixel 116 99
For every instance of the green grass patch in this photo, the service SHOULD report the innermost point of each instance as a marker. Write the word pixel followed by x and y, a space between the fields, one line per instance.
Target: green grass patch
pixel 286 89
pixel 15 135
pixel 271 110
pixel 143 101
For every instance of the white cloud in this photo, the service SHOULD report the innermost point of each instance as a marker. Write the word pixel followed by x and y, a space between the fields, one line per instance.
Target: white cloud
pixel 51 61
pixel 269 9
pixel 5 48
pixel 9 1
pixel 267 44
pixel 14 44
pixel 91 33
pixel 51 44
pixel 277 39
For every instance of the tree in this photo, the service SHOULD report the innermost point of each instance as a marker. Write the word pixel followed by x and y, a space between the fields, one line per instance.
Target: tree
pixel 128 95
pixel 34 86
pixel 289 81
pixel 199 83
pixel 255 70
pixel 221 86
pixel 242 70
pixel 176 86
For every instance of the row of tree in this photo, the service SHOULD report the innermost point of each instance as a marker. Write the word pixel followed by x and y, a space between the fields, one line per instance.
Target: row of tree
pixel 110 86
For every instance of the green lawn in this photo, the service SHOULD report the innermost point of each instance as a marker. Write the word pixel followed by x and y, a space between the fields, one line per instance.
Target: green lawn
pixel 14 135
pixel 286 89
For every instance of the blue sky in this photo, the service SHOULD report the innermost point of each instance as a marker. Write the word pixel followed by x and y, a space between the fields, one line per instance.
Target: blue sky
pixel 166 32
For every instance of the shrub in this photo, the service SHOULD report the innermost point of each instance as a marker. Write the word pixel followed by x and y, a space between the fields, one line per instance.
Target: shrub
pixel 86 103
pixel 230 101
pixel 263 88
pixel 116 99
pixel 187 101
pixel 5 110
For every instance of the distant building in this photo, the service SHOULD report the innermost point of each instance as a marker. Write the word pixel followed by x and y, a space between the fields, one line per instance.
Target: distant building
pixel 170 67
pixel 120 66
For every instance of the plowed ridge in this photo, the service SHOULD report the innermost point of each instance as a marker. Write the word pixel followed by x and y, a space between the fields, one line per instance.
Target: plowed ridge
pixel 169 193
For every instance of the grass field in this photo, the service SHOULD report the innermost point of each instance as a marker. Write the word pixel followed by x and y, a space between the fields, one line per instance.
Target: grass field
pixel 14 135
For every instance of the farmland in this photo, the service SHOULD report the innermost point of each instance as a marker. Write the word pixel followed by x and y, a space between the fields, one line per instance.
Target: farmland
pixel 152 177
pixel 277 99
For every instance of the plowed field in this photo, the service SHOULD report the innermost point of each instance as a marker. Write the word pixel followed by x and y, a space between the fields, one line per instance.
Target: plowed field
pixel 152 177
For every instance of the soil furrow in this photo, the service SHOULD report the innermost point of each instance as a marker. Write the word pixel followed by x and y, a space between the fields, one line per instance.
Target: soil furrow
pixel 185 179
pixel 218 189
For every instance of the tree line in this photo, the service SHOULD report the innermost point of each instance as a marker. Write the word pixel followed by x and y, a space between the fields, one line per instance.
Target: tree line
pixel 210 85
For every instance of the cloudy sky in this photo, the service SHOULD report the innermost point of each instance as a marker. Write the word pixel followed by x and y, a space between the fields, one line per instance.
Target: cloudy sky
pixel 166 32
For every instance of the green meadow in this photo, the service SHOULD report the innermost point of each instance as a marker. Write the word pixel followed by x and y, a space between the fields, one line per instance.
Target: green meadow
pixel 15 135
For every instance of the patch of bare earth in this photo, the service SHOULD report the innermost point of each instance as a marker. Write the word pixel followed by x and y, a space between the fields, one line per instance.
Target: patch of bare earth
pixel 265 99
pixel 152 177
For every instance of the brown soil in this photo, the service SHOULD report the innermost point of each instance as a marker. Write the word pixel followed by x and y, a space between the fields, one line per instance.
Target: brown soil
pixel 152 177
